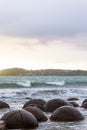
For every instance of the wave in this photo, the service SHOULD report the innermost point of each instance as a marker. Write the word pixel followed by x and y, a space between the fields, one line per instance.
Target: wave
pixel 30 84
pixel 61 83
pixel 24 84
pixel 35 84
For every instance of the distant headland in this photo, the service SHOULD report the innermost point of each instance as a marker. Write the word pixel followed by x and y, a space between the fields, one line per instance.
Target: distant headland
pixel 44 72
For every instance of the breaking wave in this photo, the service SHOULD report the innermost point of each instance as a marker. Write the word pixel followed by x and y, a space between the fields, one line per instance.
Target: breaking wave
pixel 61 83
pixel 35 84
pixel 30 84
pixel 24 84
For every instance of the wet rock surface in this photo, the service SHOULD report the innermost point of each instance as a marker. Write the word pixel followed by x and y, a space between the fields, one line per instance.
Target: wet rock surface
pixel 17 119
pixel 74 104
pixel 84 105
pixel 73 99
pixel 85 101
pixel 4 105
pixel 53 104
pixel 35 102
pixel 38 113
pixel 66 113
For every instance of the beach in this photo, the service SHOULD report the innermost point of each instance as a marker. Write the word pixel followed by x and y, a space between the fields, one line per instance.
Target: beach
pixel 16 90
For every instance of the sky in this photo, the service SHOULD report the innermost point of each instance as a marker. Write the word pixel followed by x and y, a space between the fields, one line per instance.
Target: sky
pixel 43 34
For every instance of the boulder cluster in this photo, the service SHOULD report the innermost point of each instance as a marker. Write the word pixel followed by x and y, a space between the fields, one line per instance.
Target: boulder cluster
pixel 35 110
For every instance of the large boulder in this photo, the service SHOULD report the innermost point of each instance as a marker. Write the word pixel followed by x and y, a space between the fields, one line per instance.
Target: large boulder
pixel 4 105
pixel 35 102
pixel 66 113
pixel 53 104
pixel 17 119
pixel 40 116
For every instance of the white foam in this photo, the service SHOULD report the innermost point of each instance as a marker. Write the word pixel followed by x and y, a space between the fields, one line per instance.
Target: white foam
pixel 24 84
pixel 61 83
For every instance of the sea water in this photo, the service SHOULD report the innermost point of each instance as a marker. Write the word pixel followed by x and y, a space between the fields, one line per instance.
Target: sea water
pixel 16 90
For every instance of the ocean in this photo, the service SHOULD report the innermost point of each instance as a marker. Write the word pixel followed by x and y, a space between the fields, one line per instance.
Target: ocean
pixel 16 90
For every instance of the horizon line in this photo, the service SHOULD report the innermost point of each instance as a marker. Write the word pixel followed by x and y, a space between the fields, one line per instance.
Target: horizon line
pixel 44 69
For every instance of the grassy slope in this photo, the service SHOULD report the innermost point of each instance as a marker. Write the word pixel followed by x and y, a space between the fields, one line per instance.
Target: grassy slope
pixel 20 72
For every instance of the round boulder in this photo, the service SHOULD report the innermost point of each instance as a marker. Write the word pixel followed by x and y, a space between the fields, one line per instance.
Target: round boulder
pixel 35 102
pixel 40 116
pixel 18 119
pixel 66 113
pixel 72 98
pixel 53 104
pixel 4 105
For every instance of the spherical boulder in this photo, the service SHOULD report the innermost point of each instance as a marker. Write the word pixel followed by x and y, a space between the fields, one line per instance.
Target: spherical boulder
pixel 74 104
pixel 53 104
pixel 40 116
pixel 18 119
pixel 66 113
pixel 72 98
pixel 36 102
pixel 4 105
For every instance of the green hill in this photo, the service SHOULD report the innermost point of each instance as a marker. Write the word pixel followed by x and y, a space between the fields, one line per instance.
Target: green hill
pixel 24 72
pixel 13 71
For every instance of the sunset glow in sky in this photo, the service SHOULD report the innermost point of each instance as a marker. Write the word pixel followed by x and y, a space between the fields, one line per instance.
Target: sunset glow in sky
pixel 43 34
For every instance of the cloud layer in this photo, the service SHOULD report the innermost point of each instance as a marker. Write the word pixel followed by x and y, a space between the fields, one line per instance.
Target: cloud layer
pixel 43 18
pixel 43 33
pixel 31 54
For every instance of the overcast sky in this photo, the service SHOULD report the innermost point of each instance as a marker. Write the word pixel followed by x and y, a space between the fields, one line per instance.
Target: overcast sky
pixel 37 34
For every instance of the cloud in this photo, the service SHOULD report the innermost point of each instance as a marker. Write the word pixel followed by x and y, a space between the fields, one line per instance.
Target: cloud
pixel 36 53
pixel 43 18
pixel 43 22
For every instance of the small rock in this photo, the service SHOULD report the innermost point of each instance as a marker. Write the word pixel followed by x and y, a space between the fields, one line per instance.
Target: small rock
pixel 84 102
pixel 74 104
pixel 84 105
pixel 4 105
pixel 72 98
